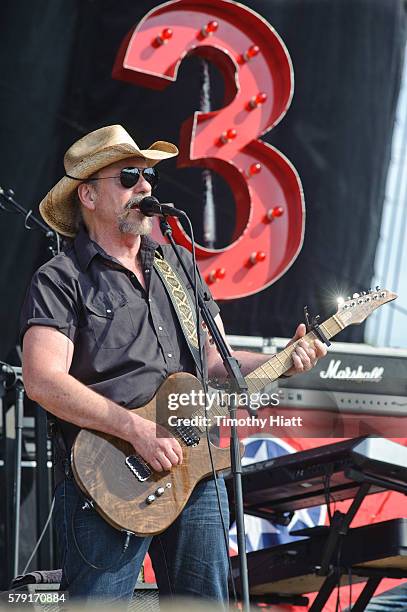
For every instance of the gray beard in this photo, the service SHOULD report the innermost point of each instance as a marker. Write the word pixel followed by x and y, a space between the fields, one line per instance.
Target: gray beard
pixel 138 227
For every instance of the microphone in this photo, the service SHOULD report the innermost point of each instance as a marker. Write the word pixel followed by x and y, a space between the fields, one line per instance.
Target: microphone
pixel 151 207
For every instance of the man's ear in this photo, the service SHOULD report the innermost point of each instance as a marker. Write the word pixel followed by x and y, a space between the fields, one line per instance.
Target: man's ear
pixel 87 195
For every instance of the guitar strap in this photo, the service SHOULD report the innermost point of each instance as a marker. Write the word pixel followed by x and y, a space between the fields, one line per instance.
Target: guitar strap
pixel 182 302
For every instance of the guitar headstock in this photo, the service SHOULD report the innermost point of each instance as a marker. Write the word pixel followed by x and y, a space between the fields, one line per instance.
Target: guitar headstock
pixel 357 308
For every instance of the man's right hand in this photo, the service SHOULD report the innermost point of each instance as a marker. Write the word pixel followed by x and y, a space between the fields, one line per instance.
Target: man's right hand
pixel 155 444
pixel 47 359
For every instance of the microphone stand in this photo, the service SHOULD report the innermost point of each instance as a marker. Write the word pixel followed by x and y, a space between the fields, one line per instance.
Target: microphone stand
pixel 239 386
pixel 8 196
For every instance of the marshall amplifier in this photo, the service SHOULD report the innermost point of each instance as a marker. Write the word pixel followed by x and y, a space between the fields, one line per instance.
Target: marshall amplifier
pixel 356 390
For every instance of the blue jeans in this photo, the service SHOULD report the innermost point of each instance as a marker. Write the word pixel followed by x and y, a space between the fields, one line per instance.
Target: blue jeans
pixel 393 600
pixel 101 562
pixel 390 601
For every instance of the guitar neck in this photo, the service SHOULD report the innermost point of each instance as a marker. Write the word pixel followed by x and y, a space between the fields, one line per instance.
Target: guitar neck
pixel 279 363
pixel 354 310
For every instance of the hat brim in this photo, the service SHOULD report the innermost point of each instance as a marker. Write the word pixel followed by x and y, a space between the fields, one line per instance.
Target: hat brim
pixel 58 208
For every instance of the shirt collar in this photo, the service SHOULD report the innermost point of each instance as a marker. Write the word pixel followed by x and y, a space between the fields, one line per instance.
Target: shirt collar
pixel 86 249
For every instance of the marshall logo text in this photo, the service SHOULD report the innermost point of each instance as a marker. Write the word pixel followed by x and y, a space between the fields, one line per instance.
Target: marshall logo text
pixel 333 371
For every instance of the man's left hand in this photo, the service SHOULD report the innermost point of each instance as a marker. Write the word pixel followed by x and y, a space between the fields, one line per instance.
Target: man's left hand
pixel 305 356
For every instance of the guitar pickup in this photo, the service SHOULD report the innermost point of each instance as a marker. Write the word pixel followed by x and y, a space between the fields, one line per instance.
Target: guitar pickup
pixel 139 467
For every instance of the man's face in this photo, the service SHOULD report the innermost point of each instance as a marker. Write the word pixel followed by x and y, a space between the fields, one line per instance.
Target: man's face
pixel 113 202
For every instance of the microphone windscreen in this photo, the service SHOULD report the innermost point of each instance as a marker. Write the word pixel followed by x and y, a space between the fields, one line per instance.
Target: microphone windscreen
pixel 150 206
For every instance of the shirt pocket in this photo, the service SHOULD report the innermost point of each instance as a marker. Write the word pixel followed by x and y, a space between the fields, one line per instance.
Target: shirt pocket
pixel 110 322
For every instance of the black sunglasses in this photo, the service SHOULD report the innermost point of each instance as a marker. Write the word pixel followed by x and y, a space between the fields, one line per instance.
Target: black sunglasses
pixel 129 177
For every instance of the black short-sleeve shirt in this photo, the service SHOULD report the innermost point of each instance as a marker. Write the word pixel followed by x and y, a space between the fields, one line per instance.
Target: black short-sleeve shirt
pixel 127 340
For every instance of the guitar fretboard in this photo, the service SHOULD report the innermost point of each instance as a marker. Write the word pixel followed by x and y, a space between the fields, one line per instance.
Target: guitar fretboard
pixel 277 365
pixel 282 361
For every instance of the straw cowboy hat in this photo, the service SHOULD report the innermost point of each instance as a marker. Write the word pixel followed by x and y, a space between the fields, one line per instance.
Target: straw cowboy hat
pixel 85 157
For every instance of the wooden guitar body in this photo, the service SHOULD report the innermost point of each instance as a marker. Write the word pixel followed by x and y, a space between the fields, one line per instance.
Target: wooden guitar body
pixel 100 469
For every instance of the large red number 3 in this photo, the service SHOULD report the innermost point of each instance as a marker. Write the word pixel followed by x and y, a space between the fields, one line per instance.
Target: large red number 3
pixel 259 85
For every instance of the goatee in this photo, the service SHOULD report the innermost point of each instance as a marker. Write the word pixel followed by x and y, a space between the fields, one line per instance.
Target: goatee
pixel 140 226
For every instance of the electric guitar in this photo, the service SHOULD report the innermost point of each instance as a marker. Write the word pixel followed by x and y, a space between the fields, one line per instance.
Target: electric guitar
pixel 127 492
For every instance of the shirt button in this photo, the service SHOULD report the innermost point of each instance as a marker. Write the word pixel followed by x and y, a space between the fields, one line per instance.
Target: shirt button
pixel 147 270
pixel 160 328
pixel 169 354
pixel 150 300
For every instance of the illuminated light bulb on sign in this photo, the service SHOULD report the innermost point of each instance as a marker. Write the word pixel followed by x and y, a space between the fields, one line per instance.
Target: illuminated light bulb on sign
pixel 209 29
pixel 253 170
pixel 163 38
pixel 257 257
pixel 215 275
pixel 257 100
pixel 251 52
pixel 274 213
pixel 227 136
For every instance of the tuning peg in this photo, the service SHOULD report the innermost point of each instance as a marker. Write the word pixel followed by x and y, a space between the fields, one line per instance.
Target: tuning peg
pixel 377 287
pixel 355 295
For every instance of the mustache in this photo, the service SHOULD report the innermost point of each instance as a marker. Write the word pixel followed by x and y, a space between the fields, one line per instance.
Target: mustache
pixel 134 201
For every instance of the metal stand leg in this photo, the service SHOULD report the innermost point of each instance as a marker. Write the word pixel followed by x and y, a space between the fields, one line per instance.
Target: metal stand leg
pixel 5 499
pixel 367 593
pixel 324 592
pixel 240 527
pixel 42 488
pixel 9 477
pixel 19 413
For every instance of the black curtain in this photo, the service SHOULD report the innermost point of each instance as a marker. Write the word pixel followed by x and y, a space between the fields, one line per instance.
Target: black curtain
pixel 55 85
pixel 36 42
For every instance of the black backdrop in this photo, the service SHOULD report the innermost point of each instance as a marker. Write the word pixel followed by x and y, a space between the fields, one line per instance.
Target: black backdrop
pixel 55 85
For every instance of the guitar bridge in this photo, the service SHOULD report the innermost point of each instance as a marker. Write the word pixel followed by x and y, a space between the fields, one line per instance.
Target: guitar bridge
pixel 187 435
pixel 139 467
